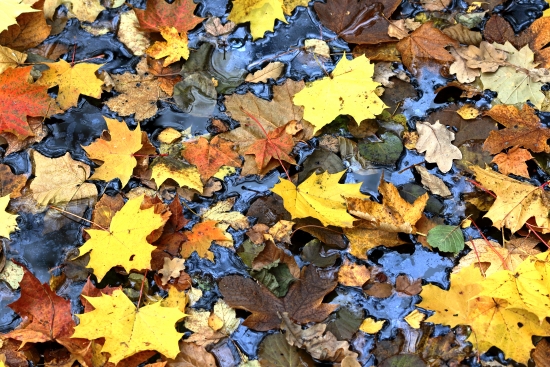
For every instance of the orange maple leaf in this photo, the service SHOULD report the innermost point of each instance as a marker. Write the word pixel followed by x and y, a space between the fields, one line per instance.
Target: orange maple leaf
pixel 277 145
pixel 159 13
pixel 200 238
pixel 210 156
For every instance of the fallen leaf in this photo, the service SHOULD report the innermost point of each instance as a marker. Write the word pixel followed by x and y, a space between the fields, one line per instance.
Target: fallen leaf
pixel 425 44
pixel 371 326
pixel 152 328
pixel 340 94
pixel 352 274
pixel 200 238
pixel 220 213
pixel 125 244
pixel 9 221
pixel 183 174
pixel 490 257
pixel 320 196
pixel 223 318
pixel 73 80
pixel 317 47
pixel 414 318
pixel 360 22
pixel 303 302
pixel 541 355
pixel 192 355
pixel 214 26
pixel 432 182
pixel 12 9
pixel 85 10
pixel 522 129
pixel 131 35
pixel 274 351
pixel 209 157
pixel 446 238
pixel 363 239
pixel 11 184
pixel 435 5
pixel 516 201
pixel 173 49
pixel 468 112
pixel 19 99
pixel 498 30
pixel 513 162
pixel 463 34
pixel 260 13
pixel 10 59
pixel 436 140
pixel 159 13
pixel 277 145
pixel 171 269
pixel 405 284
pixel 59 181
pixel 31 29
pixel 273 70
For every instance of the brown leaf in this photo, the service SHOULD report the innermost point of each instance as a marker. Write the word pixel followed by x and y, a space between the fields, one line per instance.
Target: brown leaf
pixel 463 35
pixel 360 22
pixel 523 129
pixel 273 70
pixel 272 253
pixel 303 300
pixel 426 44
pixel 405 284
pixel 9 183
pixel 537 36
pixel 380 52
pixel 31 29
pixel 210 156
pixel 541 355
pixel 498 30
pixel 435 5
pixel 192 355
pixel 513 162
pixel 352 274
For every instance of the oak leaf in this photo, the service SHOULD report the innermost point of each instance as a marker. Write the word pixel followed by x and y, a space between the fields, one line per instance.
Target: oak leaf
pixel 303 302
pixel 173 49
pixel 73 80
pixel 471 61
pixel 320 196
pixel 209 157
pixel 31 29
pixel 19 99
pixel 273 70
pixel 340 94
pixel 11 9
pixel 436 140
pixel 276 145
pixel 9 221
pixel 125 243
pixel 60 180
pixel 513 162
pixel 522 129
pixel 516 201
pixel 200 238
pixel 360 22
pixel 128 330
pixel 260 13
pixel 115 153
pixel 159 13
pixel 171 269
pixel 427 43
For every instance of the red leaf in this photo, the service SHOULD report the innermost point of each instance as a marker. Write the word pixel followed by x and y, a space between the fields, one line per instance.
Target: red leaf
pixel 277 145
pixel 209 157
pixel 159 13
pixel 19 99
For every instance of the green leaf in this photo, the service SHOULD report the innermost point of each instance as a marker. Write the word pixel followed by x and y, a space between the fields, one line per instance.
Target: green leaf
pixel 387 151
pixel 446 238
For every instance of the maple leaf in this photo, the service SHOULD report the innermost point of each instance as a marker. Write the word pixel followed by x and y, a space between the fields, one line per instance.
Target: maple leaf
pixel 436 140
pixel 31 29
pixel 125 243
pixel 9 221
pixel 19 99
pixel 10 10
pixel 360 22
pixel 128 330
pixel 200 238
pixel 513 84
pixel 84 10
pixel 303 302
pixel 516 201
pixel 60 180
pixel 260 13
pixel 73 80
pixel 182 173
pixel 426 43
pixel 159 13
pixel 116 153
pixel 513 162
pixel 394 215
pixel 340 94
pixel 175 47
pixel 277 145
pixel 320 196
pixel 522 129
pixel 10 58
pixel 493 324
pixel 209 157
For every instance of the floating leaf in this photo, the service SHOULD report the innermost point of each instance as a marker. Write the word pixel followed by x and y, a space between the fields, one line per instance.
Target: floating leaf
pixel 446 238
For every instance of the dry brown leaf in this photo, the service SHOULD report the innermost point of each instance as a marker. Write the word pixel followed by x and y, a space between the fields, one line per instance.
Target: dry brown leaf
pixel 31 29
pixel 352 274
pixel 171 269
pixel 215 28
pixel 433 183
pixel 513 161
pixel 436 140
pixel 131 35
pixel 471 61
pixel 463 35
pixel 273 70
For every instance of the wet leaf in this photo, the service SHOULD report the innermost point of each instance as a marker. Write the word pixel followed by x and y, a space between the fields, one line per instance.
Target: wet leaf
pixel 30 31
pixel 10 58
pixel 173 49
pixel 513 162
pixel 404 360
pixel 433 183
pixel 85 10
pixel 275 352
pixel 171 269
pixel 340 94
pixel 261 14
pixel 436 140
pixel 209 327
pixel 125 244
pixel 446 238
pixel 303 302
pixel 277 145
pixel 183 174
pixel 387 151
pixel 273 70
pixel 371 326
pixel 152 328
pixel 318 197
pixel 9 221
pixel 159 13
pixel 13 8
pixel 352 274
pixel 192 355
pixel 209 157
pixel 11 184
pixel 200 238
pixel 313 253
pixel 131 35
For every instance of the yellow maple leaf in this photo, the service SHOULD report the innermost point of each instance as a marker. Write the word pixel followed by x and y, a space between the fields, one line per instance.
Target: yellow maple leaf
pixel 73 80
pixel 128 330
pixel 516 201
pixel 260 13
pixel 341 94
pixel 491 322
pixel 183 174
pixel 116 153
pixel 320 196
pixel 11 9
pixel 125 243
pixel 8 222
pixel 175 46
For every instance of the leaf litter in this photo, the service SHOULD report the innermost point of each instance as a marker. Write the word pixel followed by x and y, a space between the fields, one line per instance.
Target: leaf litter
pixel 241 195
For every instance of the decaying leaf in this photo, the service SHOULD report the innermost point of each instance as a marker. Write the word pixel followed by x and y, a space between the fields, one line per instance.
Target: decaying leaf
pixel 433 183
pixel 272 70
pixel 436 140
pixel 513 162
